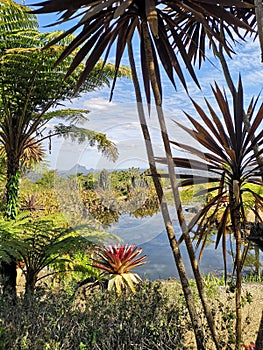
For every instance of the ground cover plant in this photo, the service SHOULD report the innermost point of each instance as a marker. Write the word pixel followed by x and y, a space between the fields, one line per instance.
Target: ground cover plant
pixel 154 318
pixel 101 321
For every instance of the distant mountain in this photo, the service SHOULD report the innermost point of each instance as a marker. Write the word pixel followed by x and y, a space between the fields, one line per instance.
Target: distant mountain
pixel 82 169
pixel 77 168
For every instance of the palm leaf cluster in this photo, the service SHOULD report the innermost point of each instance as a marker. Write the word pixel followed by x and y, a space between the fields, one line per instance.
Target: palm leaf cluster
pixel 33 154
pixel 118 261
pixel 227 162
pixel 168 25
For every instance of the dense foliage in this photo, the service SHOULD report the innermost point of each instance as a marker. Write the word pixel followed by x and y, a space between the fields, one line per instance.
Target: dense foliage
pixel 100 321
pixel 130 191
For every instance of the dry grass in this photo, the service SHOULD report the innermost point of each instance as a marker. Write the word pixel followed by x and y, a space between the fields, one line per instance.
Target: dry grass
pixel 222 302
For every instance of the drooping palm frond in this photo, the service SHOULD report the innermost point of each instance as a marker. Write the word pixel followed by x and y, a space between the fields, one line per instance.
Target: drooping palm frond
pixel 73 116
pixel 227 161
pixel 47 236
pixel 33 153
pixel 171 25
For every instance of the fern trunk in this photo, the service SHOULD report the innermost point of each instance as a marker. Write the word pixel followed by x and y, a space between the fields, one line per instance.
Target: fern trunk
pixel 31 280
pixel 8 272
pixel 8 269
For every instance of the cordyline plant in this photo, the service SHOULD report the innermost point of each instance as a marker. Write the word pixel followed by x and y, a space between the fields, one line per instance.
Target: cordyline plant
pixel 227 160
pixel 117 262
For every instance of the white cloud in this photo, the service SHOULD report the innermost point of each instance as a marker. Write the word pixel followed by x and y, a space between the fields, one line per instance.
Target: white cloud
pixel 98 103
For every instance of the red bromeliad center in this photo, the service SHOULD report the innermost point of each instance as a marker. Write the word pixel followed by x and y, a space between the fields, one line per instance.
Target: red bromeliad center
pixel 119 259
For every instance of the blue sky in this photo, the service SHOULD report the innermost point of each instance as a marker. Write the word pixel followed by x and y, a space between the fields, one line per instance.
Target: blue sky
pixel 119 120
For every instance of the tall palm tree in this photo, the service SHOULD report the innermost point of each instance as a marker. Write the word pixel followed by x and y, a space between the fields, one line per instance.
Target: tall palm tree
pixel 163 27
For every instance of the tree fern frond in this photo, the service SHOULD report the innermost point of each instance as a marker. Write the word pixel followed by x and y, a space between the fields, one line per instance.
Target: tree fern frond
pixel 81 135
pixel 74 116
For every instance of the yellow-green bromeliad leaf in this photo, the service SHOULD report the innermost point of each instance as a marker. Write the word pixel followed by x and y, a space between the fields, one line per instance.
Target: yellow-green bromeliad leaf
pixel 118 282
pixel 131 280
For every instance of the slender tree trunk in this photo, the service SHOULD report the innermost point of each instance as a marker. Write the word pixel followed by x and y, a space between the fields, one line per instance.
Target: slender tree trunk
pixel 238 288
pixel 174 185
pixel 197 326
pixel 235 200
pixel 259 340
pixel 259 16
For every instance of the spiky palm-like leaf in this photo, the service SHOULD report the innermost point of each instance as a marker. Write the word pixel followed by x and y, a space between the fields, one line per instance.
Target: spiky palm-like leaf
pixel 171 25
pixel 228 162
pixel 33 153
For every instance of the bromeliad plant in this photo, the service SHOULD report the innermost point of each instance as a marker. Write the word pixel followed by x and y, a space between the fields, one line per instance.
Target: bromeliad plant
pixel 251 346
pixel 117 262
